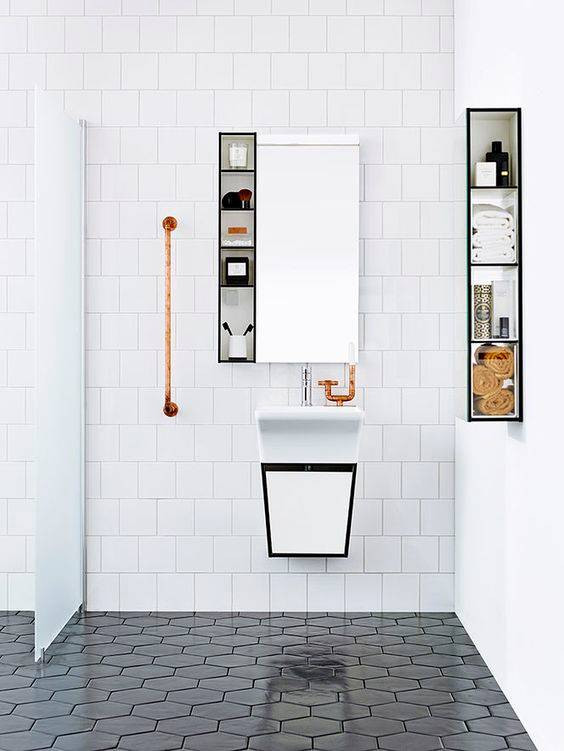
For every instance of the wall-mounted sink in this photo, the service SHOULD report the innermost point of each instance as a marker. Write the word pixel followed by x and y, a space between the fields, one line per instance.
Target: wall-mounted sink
pixel 308 457
pixel 309 434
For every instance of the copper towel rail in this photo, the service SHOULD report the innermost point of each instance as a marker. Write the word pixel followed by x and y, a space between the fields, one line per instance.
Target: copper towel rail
pixel 170 408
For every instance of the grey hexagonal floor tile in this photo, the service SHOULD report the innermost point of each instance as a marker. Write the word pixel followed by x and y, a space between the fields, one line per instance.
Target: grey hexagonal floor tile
pixel 410 742
pixel 345 742
pixel 522 742
pixel 280 742
pixel 14 723
pixel 373 726
pixel 216 742
pixel 311 726
pixel 497 726
pixel 188 726
pixel 436 726
pixel 224 710
pixel 153 741
pixel 27 740
pixel 129 725
pixel 398 710
pixel 474 742
pixel 92 741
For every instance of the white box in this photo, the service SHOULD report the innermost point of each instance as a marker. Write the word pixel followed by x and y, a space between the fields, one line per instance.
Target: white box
pixel 485 174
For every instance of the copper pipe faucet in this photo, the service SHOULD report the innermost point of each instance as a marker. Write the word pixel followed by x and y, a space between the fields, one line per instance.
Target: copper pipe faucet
pixel 340 398
pixel 170 408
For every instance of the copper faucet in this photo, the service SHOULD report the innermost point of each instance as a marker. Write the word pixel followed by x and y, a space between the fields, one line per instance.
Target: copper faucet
pixel 340 398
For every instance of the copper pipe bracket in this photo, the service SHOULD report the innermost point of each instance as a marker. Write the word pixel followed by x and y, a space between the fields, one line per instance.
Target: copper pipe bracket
pixel 340 398
pixel 170 408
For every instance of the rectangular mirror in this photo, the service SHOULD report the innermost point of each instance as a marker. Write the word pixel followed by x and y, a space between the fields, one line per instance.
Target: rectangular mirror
pixel 307 258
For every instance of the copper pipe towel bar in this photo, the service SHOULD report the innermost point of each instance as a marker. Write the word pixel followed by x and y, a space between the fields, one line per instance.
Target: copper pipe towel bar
pixel 170 408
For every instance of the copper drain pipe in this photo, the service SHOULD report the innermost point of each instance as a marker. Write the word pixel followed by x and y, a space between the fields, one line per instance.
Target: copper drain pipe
pixel 340 398
pixel 170 408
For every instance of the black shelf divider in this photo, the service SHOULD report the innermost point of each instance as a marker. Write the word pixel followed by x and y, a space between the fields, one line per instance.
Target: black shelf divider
pixel 517 343
pixel 249 250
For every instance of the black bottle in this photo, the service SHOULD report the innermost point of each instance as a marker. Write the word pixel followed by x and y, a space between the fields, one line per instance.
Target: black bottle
pixel 501 159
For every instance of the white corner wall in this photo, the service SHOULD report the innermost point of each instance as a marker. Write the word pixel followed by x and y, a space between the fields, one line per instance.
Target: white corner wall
pixel 509 489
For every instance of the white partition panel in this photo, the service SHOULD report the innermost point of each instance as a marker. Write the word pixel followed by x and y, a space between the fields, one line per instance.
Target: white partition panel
pixel 60 389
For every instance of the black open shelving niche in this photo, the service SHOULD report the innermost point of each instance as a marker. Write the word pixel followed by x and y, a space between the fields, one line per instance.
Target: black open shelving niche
pixel 236 303
pixel 495 124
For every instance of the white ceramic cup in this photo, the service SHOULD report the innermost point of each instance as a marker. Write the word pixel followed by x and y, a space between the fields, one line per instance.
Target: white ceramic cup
pixel 237 348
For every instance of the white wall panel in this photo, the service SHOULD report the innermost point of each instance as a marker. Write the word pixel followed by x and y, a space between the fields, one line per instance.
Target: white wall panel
pixel 59 392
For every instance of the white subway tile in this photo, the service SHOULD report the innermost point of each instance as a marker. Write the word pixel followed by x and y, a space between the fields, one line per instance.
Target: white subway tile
pixel 288 592
pixel 213 443
pixel 231 554
pixel 289 71
pixel 402 71
pixel 270 34
pixel 252 71
pixel 196 34
pixel 120 554
pixel 120 34
pixel 327 71
pixel 138 592
pixel 400 591
pixel 345 34
pixel 308 34
pixel 382 331
pixel 157 108
pixel 175 517
pixel 382 479
pixel 437 592
pixel 138 518
pixel 437 442
pixel 383 554
pixel 271 108
pixel 345 108
pixel 13 34
pixel 437 71
pixel 401 442
pixel 156 480
pixel 437 369
pixel 44 34
pixel 325 592
pixel 213 592
pixel 420 554
pixel 308 108
pixel 157 554
pixel 213 517
pixel 157 34
pixel 195 554
pixel 175 592
pixel 383 34
pixel 233 34
pixel 83 34
pixel 401 517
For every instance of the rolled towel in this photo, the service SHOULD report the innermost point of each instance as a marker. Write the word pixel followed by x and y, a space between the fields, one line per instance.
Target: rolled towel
pixel 484 381
pixel 496 405
pixel 498 359
pixel 487 215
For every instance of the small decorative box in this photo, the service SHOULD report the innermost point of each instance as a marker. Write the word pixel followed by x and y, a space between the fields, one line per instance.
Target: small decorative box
pixel 485 175
pixel 237 271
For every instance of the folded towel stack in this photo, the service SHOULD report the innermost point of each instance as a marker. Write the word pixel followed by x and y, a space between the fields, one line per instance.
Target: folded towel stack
pixel 493 235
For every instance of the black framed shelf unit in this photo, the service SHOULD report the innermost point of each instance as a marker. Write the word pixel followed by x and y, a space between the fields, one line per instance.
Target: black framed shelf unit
pixel 237 247
pixel 494 265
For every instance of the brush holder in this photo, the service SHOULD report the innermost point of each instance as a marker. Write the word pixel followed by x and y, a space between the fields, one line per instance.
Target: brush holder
pixel 238 348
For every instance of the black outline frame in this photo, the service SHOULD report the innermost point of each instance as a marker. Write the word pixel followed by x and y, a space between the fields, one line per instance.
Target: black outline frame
pixel 252 250
pixel 518 265
pixel 270 467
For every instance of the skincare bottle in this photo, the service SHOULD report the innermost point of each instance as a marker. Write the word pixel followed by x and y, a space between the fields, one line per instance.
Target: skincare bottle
pixel 501 159
pixel 504 327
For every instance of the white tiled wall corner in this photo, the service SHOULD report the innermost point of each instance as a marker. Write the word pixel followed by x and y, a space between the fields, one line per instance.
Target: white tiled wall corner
pixel 175 517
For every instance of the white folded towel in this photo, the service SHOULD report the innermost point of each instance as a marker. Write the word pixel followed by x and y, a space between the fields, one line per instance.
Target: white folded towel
pixel 496 252
pixel 487 215
pixel 485 237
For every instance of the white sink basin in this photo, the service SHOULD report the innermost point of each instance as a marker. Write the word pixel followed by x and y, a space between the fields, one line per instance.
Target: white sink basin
pixel 304 435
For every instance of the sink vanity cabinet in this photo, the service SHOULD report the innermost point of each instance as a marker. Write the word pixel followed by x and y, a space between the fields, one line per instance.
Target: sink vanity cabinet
pixel 297 241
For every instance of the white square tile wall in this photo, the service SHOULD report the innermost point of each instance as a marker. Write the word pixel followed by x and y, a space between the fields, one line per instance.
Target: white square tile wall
pixel 175 517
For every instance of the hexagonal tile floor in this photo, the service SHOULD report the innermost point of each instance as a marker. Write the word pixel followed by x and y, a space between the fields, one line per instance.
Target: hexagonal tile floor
pixel 257 681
